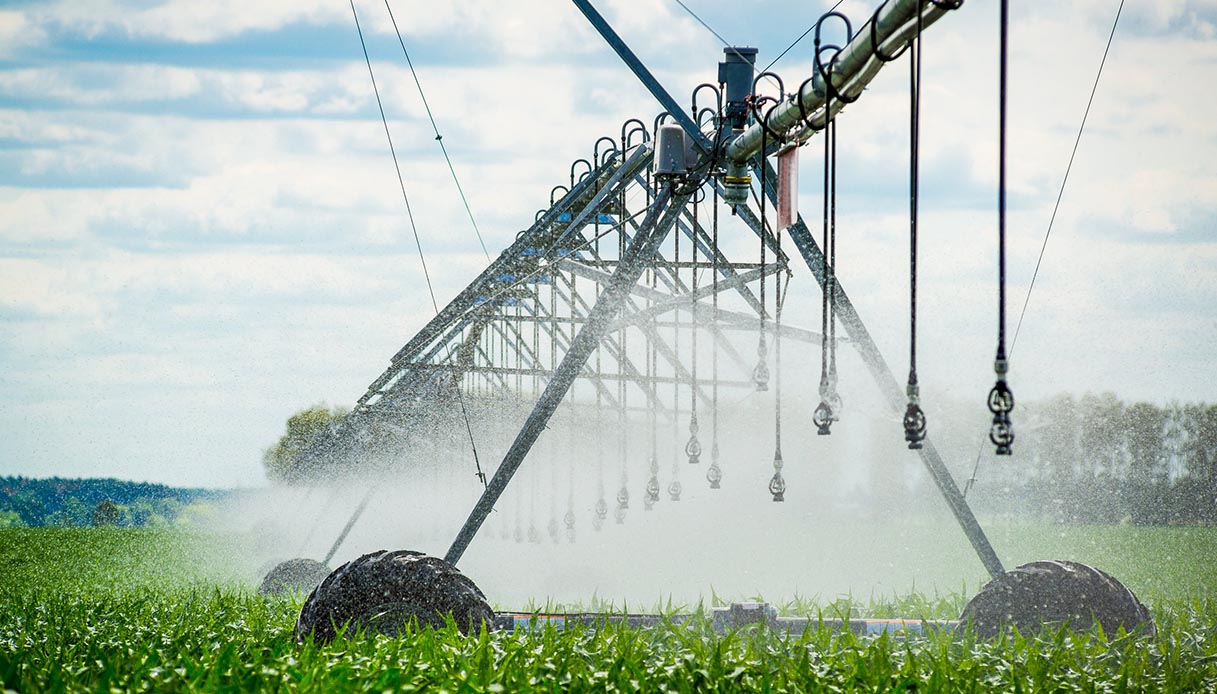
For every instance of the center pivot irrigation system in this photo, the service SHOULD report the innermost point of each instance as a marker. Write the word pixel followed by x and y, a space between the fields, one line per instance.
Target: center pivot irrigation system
pixel 601 288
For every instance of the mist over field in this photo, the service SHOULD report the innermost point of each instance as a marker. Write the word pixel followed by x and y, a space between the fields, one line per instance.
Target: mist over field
pixel 861 515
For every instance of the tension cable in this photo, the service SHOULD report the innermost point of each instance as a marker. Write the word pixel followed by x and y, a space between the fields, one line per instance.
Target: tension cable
pixel 438 138
pixel 417 242
pixel 801 37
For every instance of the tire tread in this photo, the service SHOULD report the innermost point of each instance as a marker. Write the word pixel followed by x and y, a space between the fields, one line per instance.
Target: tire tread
pixel 404 582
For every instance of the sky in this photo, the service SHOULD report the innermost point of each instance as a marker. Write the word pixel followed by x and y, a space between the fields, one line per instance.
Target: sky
pixel 201 230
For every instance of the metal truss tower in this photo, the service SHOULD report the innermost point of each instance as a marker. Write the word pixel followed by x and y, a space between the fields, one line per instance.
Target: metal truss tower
pixel 594 291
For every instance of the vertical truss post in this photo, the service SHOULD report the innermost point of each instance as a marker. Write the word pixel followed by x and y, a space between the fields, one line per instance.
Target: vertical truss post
pixel 638 255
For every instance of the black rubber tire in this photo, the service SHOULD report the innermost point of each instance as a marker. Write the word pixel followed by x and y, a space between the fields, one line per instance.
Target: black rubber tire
pixel 383 591
pixel 1050 593
pixel 293 575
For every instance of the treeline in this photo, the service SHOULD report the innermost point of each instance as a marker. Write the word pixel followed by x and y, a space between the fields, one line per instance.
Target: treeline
pixel 82 502
pixel 283 462
pixel 1096 459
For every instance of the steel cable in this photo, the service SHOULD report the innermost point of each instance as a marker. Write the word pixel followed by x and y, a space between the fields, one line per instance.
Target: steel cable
pixel 414 227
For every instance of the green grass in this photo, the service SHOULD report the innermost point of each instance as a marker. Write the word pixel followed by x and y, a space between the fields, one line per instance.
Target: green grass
pixel 132 610
pixel 1158 563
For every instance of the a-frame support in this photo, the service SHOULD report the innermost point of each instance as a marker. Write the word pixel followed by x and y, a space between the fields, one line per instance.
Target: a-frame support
pixel 664 212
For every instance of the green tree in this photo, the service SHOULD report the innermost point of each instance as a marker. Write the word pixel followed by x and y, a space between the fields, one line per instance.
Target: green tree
pixel 106 513
pixel 283 461
pixel 1104 457
pixel 197 515
pixel 1196 492
pixel 78 512
pixel 1059 447
pixel 168 508
pixel 144 515
pixel 1145 486
pixel 11 519
pixel 29 507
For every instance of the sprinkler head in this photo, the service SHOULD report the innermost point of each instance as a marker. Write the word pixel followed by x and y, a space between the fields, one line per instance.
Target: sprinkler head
pixel 1002 434
pixel 823 418
pixel 693 450
pixel 914 426
pixel 777 487
pixel 1001 403
pixel 760 376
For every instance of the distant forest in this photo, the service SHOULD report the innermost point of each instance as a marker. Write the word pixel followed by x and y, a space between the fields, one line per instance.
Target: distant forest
pixel 82 502
pixel 1088 459
pixel 1096 459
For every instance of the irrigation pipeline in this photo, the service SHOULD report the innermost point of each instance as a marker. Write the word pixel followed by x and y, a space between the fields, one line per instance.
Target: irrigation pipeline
pixel 725 620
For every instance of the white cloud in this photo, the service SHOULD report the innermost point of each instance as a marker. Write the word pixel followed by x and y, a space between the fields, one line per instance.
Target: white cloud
pixel 17 34
pixel 124 86
pixel 189 22
pixel 45 290
pixel 100 85
pixel 260 177
pixel 514 30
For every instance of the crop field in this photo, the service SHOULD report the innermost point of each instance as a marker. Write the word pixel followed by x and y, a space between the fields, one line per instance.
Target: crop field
pixel 161 610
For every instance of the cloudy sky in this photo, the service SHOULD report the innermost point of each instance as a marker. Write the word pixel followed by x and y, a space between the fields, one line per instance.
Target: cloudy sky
pixel 201 230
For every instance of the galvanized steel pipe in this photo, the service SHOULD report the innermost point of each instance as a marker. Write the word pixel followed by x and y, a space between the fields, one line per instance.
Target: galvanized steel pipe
pixel 853 69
